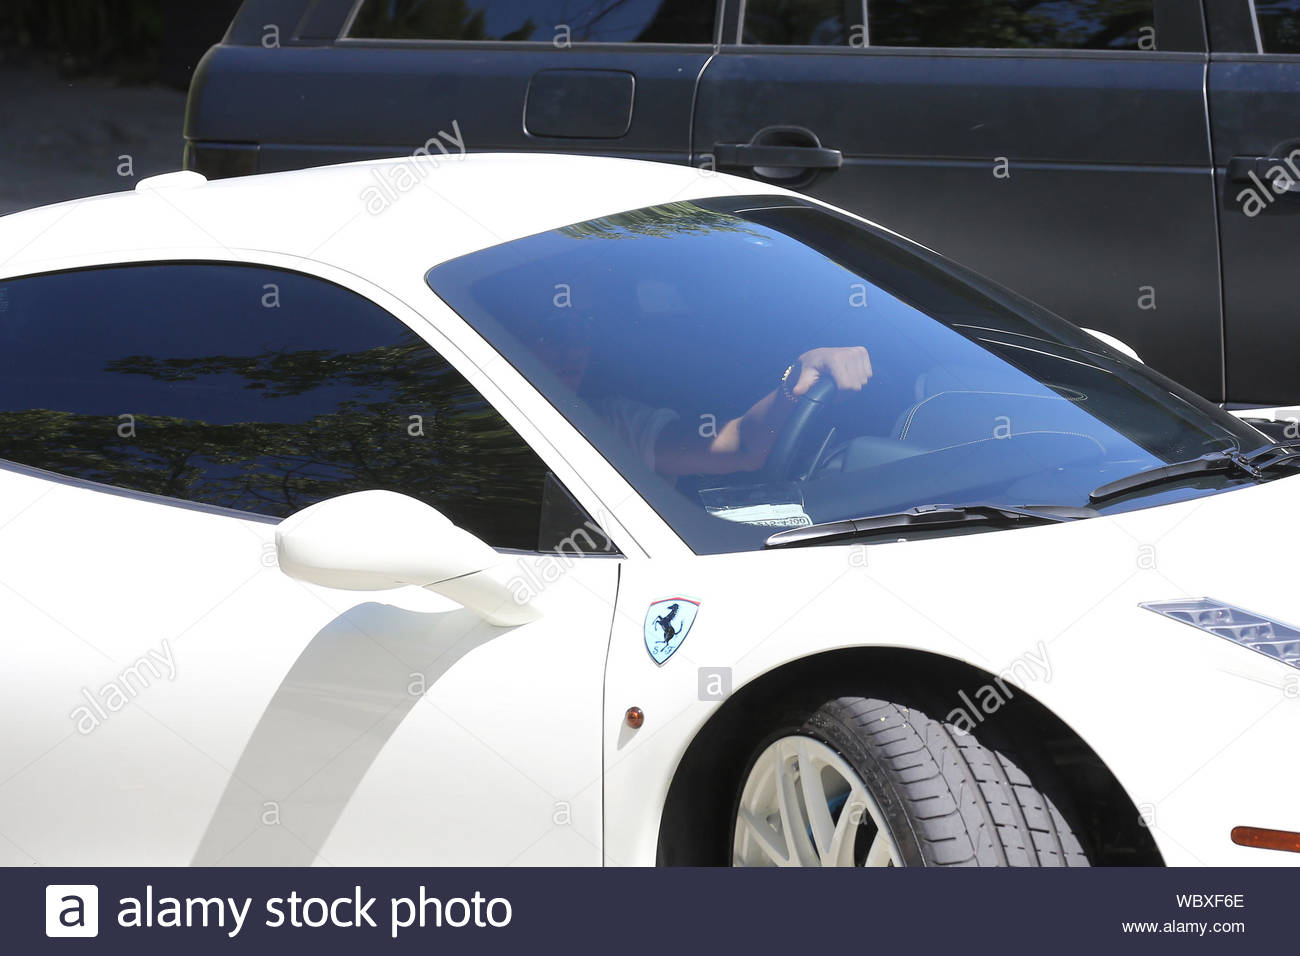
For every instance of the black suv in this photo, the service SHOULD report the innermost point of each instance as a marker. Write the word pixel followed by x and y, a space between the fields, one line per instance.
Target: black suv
pixel 1132 164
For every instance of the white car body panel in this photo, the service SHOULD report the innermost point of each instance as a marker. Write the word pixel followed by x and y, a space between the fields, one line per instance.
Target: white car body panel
pixel 302 724
pixel 1134 685
pixel 516 751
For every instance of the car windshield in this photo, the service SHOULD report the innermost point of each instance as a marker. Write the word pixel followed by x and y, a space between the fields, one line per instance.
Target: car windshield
pixel 665 334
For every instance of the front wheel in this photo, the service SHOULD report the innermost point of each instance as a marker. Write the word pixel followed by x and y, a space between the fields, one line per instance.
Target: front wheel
pixel 861 781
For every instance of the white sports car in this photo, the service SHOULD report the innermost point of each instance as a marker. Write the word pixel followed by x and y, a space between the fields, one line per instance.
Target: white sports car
pixel 706 524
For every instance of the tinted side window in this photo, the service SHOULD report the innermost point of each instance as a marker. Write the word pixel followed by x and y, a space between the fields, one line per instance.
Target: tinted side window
pixel 253 389
pixel 1001 24
pixel 1279 25
pixel 594 21
pixel 795 22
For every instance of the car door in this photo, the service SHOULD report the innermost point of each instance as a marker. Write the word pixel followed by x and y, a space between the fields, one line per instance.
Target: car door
pixel 1254 96
pixel 169 696
pixel 375 78
pixel 1059 148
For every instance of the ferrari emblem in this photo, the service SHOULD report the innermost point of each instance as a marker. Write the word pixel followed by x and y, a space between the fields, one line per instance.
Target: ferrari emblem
pixel 666 625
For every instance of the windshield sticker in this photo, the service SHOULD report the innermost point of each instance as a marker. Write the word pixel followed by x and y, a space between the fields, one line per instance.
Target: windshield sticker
pixel 767 506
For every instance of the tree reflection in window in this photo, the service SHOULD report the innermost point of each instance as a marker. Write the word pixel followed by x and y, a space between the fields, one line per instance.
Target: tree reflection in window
pixel 561 21
pixel 393 416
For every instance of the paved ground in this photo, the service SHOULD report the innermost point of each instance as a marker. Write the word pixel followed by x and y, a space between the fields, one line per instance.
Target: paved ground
pixel 63 139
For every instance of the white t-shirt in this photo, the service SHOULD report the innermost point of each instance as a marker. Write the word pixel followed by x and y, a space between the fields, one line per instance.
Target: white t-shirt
pixel 638 425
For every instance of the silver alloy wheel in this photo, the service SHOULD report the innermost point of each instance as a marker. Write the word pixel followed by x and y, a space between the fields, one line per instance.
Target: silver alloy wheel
pixel 803 805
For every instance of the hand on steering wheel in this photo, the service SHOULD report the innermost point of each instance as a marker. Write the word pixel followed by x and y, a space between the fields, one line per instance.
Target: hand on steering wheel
pixel 821 373
pixel 809 406
pixel 849 367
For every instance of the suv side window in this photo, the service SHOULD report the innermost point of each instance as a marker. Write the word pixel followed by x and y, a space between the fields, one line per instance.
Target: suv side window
pixel 796 23
pixel 623 21
pixel 254 389
pixel 1279 25
pixel 957 24
pixel 1007 24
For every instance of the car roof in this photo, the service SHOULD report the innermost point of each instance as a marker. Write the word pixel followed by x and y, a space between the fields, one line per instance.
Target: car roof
pixel 391 219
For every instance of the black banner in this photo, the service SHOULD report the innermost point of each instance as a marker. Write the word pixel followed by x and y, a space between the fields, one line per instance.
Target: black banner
pixel 646 911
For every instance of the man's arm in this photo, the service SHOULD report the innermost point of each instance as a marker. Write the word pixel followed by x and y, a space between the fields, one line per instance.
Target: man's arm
pixel 743 443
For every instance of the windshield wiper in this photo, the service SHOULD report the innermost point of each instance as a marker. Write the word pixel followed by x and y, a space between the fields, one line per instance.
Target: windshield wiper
pixel 1268 456
pixel 1251 465
pixel 926 517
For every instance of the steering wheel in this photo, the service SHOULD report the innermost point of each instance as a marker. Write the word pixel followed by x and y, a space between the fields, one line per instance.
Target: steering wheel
pixel 811 405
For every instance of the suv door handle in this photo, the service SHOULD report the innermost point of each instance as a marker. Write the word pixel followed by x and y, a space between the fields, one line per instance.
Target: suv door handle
pixel 750 155
pixel 1241 168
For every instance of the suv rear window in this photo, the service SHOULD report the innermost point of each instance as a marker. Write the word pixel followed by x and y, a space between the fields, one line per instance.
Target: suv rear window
pixel 548 21
pixel 1279 25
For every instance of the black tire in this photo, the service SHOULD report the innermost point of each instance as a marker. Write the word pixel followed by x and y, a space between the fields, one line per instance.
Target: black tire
pixel 948 798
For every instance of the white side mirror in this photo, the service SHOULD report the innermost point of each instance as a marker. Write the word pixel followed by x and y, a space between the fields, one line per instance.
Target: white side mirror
pixel 376 540
pixel 1118 344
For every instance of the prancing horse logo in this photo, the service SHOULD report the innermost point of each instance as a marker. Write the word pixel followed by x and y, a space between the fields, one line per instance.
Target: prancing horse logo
pixel 666 625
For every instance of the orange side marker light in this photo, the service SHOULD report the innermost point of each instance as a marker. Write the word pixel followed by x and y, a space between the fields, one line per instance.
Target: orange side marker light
pixel 1266 839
